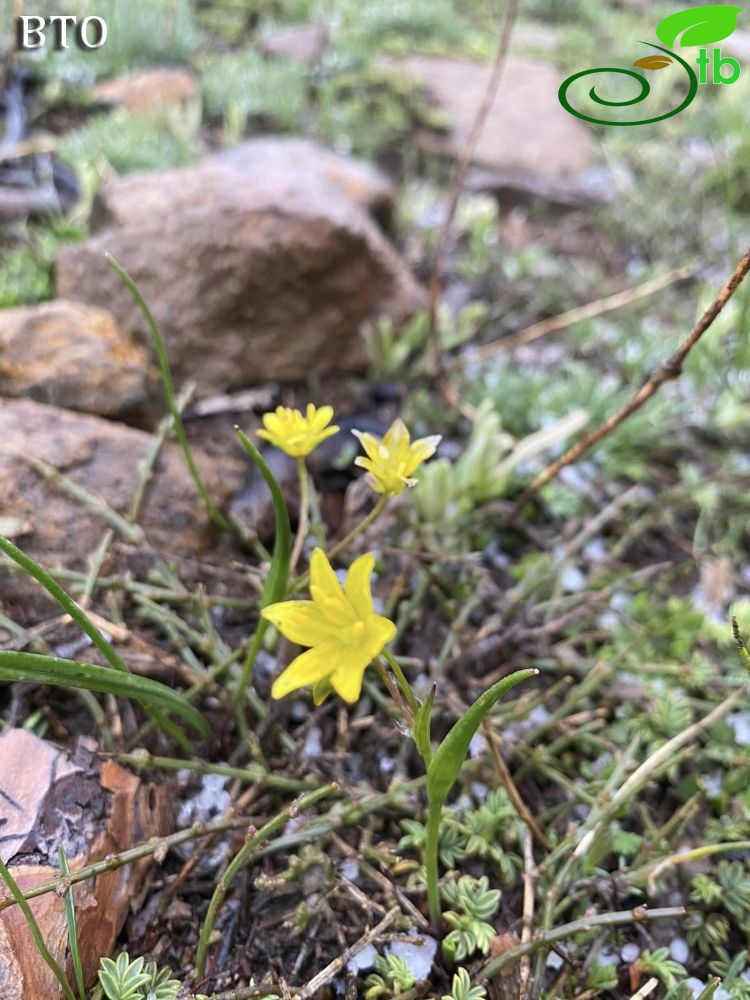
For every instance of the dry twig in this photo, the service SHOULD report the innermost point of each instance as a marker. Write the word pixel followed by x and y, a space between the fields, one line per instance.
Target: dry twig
pixel 338 964
pixel 670 369
pixel 529 874
pixel 460 174
pixel 577 315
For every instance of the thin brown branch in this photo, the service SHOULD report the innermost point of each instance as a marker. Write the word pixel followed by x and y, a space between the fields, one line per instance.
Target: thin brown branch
pixel 459 176
pixel 617 918
pixel 506 780
pixel 529 876
pixel 333 969
pixel 563 320
pixel 670 369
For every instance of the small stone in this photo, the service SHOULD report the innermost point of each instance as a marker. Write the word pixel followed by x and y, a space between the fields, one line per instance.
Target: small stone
pixel 75 356
pixel 363 960
pixel 149 91
pixel 679 950
pixel 418 954
pixel 303 43
pixel 102 457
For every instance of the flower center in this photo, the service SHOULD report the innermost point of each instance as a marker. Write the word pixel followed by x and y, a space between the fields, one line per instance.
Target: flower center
pixel 353 634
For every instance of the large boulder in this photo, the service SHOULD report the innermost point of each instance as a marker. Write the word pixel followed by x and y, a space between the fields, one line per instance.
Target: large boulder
pixel 529 142
pixel 73 356
pixel 105 459
pixel 260 263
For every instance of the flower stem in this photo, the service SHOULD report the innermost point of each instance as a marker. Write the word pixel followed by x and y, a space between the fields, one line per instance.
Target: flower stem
pixel 304 507
pixel 359 528
pixel 345 542
pixel 434 811
pixel 402 681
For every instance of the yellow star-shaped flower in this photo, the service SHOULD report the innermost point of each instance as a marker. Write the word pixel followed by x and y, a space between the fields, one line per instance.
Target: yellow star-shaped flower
pixel 339 624
pixel 296 434
pixel 392 461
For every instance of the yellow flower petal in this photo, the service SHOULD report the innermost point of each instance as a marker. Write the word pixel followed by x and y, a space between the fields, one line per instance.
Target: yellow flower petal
pixel 370 444
pixel 300 622
pixel 392 461
pixel 320 418
pixel 346 681
pixel 379 631
pixel 322 576
pixel 309 667
pixel 420 451
pixel 396 438
pixel 357 586
pixel 294 433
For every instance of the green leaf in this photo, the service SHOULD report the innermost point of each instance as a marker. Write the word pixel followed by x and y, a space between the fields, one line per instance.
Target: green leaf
pixel 698 25
pixel 421 727
pixel 123 979
pixel 274 588
pixel 35 668
pixel 449 757
pixel 79 616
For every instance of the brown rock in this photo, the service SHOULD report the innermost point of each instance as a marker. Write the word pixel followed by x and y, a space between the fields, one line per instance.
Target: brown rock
pixel 259 264
pixel 74 356
pixel 304 43
pixel 90 810
pixel 103 458
pixel 149 91
pixel 527 131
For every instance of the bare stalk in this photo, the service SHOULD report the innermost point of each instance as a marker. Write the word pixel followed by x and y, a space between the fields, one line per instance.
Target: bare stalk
pixel 670 369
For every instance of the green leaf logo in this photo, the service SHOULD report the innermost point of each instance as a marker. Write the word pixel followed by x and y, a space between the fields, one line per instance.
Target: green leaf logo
pixel 699 25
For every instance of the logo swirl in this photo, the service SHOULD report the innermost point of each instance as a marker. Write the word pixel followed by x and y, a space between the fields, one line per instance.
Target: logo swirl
pixel 645 90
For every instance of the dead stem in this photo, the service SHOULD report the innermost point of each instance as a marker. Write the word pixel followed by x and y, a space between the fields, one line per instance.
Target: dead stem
pixel 460 175
pixel 615 919
pixel 506 780
pixel 577 315
pixel 529 877
pixel 325 976
pixel 668 370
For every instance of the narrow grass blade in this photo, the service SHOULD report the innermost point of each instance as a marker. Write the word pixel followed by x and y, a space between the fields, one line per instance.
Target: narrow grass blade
pixel 275 586
pixel 70 917
pixel 79 616
pixel 66 602
pixel 166 377
pixel 35 932
pixel 35 668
